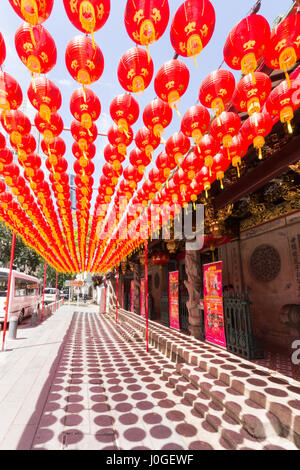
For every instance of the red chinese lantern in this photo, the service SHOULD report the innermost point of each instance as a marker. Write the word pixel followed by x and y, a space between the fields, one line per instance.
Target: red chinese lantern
pixel 157 116
pixel 2 142
pixel 280 103
pixel 216 90
pixel 219 166
pixel 146 141
pixel 33 11
pixel 191 164
pixel 283 49
pixel 16 124
pixel 36 48
pixel 225 127
pixel 25 147
pixel 256 128
pixel 171 82
pixel 177 146
pixel 146 20
pixel 124 111
pixel 83 156
pixel 125 189
pixel 113 156
pixel 160 259
pixel 139 159
pixel 84 172
pixel 196 188
pixel 195 123
pixel 88 16
pixel 132 175
pixel 166 163
pixel 149 190
pixel 6 158
pixel 84 137
pixel 238 150
pixel 11 173
pixel 119 139
pixel 32 164
pixel 85 106
pixel 192 27
pixel 84 62
pixel 246 43
pixel 2 50
pixel 135 71
pixel 157 177
pixel 49 129
pixel 205 178
pixel 55 150
pixel 249 97
pixel 44 96
pixel 209 147
pixel 11 95
pixel 109 171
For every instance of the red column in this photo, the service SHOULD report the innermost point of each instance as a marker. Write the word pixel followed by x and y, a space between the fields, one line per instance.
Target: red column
pixel 44 291
pixel 56 289
pixel 105 292
pixel 12 254
pixel 146 294
pixel 117 296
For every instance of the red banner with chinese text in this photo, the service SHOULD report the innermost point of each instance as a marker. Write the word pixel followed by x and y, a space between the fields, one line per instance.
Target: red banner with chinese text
pixel 174 300
pixel 213 304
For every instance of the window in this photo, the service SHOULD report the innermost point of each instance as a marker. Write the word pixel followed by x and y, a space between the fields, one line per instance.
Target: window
pixel 31 288
pixel 3 284
pixel 20 287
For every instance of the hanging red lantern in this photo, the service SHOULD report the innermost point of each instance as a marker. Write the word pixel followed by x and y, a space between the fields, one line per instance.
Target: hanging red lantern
pixel 256 128
pixel 181 180
pixel 88 16
pixel 171 82
pixel 209 147
pixel 191 164
pixel 146 20
pixel 124 111
pixel 146 141
pixel 160 259
pixel 238 150
pixel 49 129
pixel 132 175
pixel 195 123
pixel 32 163
pixel 113 156
pixel 157 177
pixel 119 139
pixel 177 146
pixel 59 166
pixel 192 27
pixel 84 172
pixel 85 106
pixel 283 49
pixel 36 48
pixel 246 44
pixel 219 166
pixel 2 142
pixel 196 188
pixel 135 71
pixel 140 160
pixel 225 127
pixel 166 163
pixel 249 96
pixel 149 190
pixel 157 116
pixel 25 147
pixel 205 177
pixel 216 90
pixel 126 190
pixel 84 137
pixel 83 156
pixel 11 173
pixel 11 95
pixel 16 124
pixel 280 103
pixel 55 150
pixel 2 50
pixel 84 62
pixel 6 158
pixel 44 96
pixel 33 11
pixel 109 171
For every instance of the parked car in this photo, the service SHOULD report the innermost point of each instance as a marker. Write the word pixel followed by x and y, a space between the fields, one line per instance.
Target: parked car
pixel 25 295
pixel 51 294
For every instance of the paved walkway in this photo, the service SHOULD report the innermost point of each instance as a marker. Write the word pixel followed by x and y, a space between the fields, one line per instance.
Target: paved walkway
pixel 75 382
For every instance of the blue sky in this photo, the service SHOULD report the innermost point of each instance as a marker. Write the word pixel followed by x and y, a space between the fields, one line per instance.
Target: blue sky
pixel 114 41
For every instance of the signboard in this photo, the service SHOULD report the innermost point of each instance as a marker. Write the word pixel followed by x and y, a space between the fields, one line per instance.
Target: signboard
pixel 132 296
pixel 143 300
pixel 213 304
pixel 174 300
pixel 76 283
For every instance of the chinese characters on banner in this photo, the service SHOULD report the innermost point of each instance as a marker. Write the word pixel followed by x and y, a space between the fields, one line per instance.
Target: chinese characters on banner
pixel 213 304
pixel 174 300
pixel 132 296
pixel 143 300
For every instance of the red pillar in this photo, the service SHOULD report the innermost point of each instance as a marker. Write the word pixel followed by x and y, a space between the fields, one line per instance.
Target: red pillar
pixel 146 294
pixel 44 291
pixel 105 292
pixel 12 254
pixel 117 296
pixel 56 289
